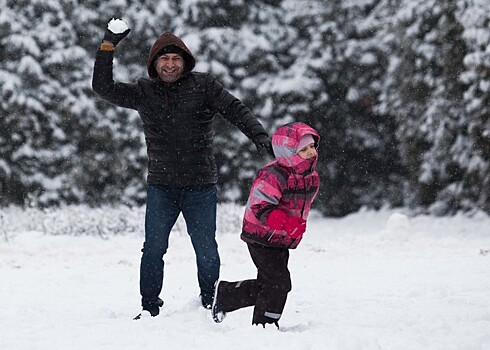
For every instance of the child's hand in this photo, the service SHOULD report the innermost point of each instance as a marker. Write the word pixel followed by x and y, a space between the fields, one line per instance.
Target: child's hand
pixel 293 225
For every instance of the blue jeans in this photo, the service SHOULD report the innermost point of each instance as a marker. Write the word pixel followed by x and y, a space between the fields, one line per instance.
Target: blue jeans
pixel 164 204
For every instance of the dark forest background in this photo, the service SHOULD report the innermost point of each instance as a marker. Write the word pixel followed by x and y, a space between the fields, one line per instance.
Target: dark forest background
pixel 398 89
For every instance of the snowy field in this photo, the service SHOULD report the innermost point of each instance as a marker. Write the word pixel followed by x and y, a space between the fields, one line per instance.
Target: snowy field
pixel 372 280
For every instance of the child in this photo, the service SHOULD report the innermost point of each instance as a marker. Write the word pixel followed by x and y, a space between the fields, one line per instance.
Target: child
pixel 274 222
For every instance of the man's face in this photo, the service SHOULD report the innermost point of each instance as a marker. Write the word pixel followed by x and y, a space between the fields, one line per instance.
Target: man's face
pixel 170 67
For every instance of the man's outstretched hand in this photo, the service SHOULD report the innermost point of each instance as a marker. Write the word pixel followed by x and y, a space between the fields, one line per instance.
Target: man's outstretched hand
pixel 264 145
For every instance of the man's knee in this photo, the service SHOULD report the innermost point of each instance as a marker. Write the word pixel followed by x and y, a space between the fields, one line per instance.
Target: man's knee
pixel 153 251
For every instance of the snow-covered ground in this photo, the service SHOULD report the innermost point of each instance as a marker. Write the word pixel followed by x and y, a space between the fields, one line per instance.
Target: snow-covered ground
pixel 372 280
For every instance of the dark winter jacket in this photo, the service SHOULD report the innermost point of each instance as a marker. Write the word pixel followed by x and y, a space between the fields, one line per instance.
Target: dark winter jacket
pixel 177 118
pixel 290 184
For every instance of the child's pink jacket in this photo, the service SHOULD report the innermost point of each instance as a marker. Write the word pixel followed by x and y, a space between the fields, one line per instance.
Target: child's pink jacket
pixel 290 184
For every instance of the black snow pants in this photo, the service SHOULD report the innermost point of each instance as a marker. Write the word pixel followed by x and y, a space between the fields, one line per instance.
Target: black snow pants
pixel 268 292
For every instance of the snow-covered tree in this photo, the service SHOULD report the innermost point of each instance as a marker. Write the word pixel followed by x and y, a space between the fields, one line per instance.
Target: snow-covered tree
pixel 425 90
pixel 472 152
pixel 36 55
pixel 59 144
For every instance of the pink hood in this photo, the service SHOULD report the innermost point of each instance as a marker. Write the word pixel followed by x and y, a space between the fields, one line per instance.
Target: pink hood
pixel 285 143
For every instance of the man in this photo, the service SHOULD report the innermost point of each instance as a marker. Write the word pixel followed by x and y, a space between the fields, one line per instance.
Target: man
pixel 177 107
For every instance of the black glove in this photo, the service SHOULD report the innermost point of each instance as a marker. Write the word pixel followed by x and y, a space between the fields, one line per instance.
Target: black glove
pixel 264 145
pixel 115 38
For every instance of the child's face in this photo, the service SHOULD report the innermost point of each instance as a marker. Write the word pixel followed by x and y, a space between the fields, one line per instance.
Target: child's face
pixel 308 152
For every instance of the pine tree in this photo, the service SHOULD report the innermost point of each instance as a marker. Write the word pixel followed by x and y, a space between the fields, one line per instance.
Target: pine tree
pixel 472 152
pixel 35 144
pixel 61 144
pixel 425 91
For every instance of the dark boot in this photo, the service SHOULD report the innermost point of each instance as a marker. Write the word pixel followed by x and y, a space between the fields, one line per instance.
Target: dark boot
pixel 152 307
pixel 206 302
pixel 263 320
pixel 217 310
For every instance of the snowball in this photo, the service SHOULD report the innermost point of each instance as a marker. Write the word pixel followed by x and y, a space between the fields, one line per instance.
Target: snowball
pixel 117 26
pixel 397 228
pixel 398 223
